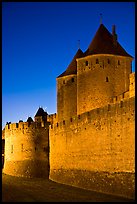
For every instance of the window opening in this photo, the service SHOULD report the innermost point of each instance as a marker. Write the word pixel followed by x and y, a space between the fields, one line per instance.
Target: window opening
pixel 11 148
pixel 97 61
pixel 22 147
pixel 86 63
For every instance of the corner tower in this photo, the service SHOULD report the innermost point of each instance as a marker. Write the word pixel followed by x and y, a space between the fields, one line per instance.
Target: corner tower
pixel 67 90
pixel 102 72
pixel 27 147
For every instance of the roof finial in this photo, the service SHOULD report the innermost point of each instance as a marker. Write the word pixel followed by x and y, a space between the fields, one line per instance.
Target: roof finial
pixel 100 18
pixel 78 44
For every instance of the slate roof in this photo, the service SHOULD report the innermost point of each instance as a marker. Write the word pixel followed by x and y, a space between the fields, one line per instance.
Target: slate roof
pixel 103 43
pixel 40 112
pixel 29 119
pixel 72 68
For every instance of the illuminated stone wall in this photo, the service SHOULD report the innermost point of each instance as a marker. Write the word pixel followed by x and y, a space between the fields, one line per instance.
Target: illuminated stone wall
pixel 132 84
pixel 99 77
pixel 66 96
pixel 26 150
pixel 101 140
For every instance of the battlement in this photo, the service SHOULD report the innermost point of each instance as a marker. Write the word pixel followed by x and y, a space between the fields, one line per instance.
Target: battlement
pixel 52 118
pixel 94 114
pixel 121 97
pixel 23 126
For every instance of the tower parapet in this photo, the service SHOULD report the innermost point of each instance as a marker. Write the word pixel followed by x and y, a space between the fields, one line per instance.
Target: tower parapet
pixel 27 149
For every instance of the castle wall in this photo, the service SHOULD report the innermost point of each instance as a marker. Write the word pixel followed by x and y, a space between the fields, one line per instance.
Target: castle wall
pixel 95 82
pixel 100 77
pixel 132 85
pixel 66 101
pixel 123 69
pixel 102 140
pixel 26 150
pixel 52 118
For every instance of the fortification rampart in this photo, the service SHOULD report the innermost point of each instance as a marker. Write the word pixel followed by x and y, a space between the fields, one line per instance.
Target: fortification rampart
pixel 26 149
pixel 52 118
pixel 99 77
pixel 101 140
pixel 132 85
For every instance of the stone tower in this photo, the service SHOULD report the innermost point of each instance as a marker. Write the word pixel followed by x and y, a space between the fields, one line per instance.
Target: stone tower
pixel 67 90
pixel 95 76
pixel 103 72
pixel 27 147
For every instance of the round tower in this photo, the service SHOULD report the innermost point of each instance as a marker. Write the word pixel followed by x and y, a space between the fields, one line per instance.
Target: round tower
pixel 67 90
pixel 27 149
pixel 102 72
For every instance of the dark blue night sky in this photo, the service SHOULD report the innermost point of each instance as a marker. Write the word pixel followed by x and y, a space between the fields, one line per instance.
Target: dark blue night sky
pixel 39 40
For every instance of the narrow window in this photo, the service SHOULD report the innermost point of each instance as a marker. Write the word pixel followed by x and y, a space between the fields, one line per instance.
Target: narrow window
pixel 22 147
pixel 63 81
pixel 70 119
pixel 11 148
pixel 97 61
pixel 121 104
pixel 86 63
pixel 108 61
pixel 118 62
pixel 106 79
pixel 57 124
pixel 16 125
pixel 72 79
pixel 63 122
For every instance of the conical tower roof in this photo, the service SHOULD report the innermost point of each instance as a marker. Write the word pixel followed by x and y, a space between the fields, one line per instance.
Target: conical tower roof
pixel 72 68
pixel 40 112
pixel 103 43
pixel 29 119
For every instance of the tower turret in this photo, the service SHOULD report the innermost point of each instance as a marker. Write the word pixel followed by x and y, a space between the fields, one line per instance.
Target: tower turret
pixel 102 71
pixel 41 116
pixel 67 90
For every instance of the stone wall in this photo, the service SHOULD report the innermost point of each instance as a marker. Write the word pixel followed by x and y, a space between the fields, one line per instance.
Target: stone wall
pixel 102 140
pixel 132 85
pixel 66 96
pixel 99 77
pixel 26 150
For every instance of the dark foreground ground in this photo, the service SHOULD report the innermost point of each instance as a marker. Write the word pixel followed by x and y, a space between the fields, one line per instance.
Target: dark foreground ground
pixel 16 189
